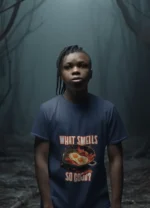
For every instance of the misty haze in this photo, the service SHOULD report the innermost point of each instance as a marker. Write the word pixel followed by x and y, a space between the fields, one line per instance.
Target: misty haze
pixel 116 34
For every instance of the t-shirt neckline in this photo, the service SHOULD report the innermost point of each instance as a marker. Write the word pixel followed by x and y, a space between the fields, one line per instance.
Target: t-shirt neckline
pixel 76 104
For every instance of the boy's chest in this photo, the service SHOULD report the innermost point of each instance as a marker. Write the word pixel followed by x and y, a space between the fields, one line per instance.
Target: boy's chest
pixel 82 128
pixel 78 122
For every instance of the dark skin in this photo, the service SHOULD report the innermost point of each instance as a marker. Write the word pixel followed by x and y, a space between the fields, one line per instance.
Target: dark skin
pixel 115 155
pixel 76 74
pixel 76 65
pixel 41 153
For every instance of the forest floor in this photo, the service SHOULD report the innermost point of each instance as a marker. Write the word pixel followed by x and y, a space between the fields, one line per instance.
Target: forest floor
pixel 18 185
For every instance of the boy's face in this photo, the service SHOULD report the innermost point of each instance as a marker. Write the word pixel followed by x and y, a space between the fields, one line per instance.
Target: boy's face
pixel 75 71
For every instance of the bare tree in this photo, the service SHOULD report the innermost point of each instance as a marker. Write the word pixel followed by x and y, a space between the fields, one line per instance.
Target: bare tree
pixel 142 32
pixel 5 50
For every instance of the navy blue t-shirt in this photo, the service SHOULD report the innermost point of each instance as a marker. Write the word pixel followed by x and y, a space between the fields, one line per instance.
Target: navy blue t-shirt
pixel 78 135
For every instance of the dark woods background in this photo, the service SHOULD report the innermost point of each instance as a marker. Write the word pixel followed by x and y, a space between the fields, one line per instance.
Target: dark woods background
pixel 116 33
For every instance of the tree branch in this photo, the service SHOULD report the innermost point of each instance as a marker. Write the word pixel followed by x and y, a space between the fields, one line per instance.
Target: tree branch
pixel 2 52
pixel 12 6
pixel 9 78
pixel 12 20
pixel 138 10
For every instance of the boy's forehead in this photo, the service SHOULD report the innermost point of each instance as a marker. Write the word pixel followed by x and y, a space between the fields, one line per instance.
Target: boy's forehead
pixel 77 56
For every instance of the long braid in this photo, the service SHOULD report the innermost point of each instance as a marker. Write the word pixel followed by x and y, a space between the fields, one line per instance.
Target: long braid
pixel 61 87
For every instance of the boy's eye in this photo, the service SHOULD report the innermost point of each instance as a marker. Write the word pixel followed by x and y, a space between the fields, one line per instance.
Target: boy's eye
pixel 79 65
pixel 67 67
pixel 83 65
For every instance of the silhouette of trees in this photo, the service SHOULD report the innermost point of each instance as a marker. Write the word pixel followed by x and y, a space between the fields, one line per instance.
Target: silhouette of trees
pixel 8 31
pixel 142 33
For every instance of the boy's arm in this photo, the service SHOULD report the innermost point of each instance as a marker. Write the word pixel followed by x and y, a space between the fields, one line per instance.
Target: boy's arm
pixel 41 152
pixel 115 155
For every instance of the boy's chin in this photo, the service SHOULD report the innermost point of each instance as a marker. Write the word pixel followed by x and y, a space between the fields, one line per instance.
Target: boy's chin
pixel 79 89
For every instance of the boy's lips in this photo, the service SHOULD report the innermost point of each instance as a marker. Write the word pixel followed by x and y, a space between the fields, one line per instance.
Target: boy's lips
pixel 77 79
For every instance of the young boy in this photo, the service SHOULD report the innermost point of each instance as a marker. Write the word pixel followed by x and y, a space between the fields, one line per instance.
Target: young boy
pixel 71 133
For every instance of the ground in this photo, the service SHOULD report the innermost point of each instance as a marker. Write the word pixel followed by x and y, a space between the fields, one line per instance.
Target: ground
pixel 18 185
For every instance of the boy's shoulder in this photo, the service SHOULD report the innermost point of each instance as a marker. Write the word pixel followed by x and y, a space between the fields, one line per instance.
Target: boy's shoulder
pixel 52 102
pixel 105 104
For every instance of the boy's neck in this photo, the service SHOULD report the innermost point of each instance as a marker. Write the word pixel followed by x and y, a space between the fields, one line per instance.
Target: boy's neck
pixel 76 96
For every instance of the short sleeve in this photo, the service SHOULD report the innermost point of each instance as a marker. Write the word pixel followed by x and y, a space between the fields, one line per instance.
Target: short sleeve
pixel 40 126
pixel 115 127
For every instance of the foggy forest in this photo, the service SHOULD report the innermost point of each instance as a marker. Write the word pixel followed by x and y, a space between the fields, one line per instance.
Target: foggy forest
pixel 116 34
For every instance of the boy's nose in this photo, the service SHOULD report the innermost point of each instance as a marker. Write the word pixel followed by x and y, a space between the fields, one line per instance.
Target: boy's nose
pixel 75 70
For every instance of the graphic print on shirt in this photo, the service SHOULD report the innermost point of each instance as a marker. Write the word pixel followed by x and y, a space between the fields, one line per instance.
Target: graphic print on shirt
pixel 78 157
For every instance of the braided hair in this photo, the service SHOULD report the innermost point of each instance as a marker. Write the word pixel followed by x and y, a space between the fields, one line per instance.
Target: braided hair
pixel 61 87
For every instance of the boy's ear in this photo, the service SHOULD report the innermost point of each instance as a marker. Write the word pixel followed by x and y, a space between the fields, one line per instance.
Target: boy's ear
pixel 91 73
